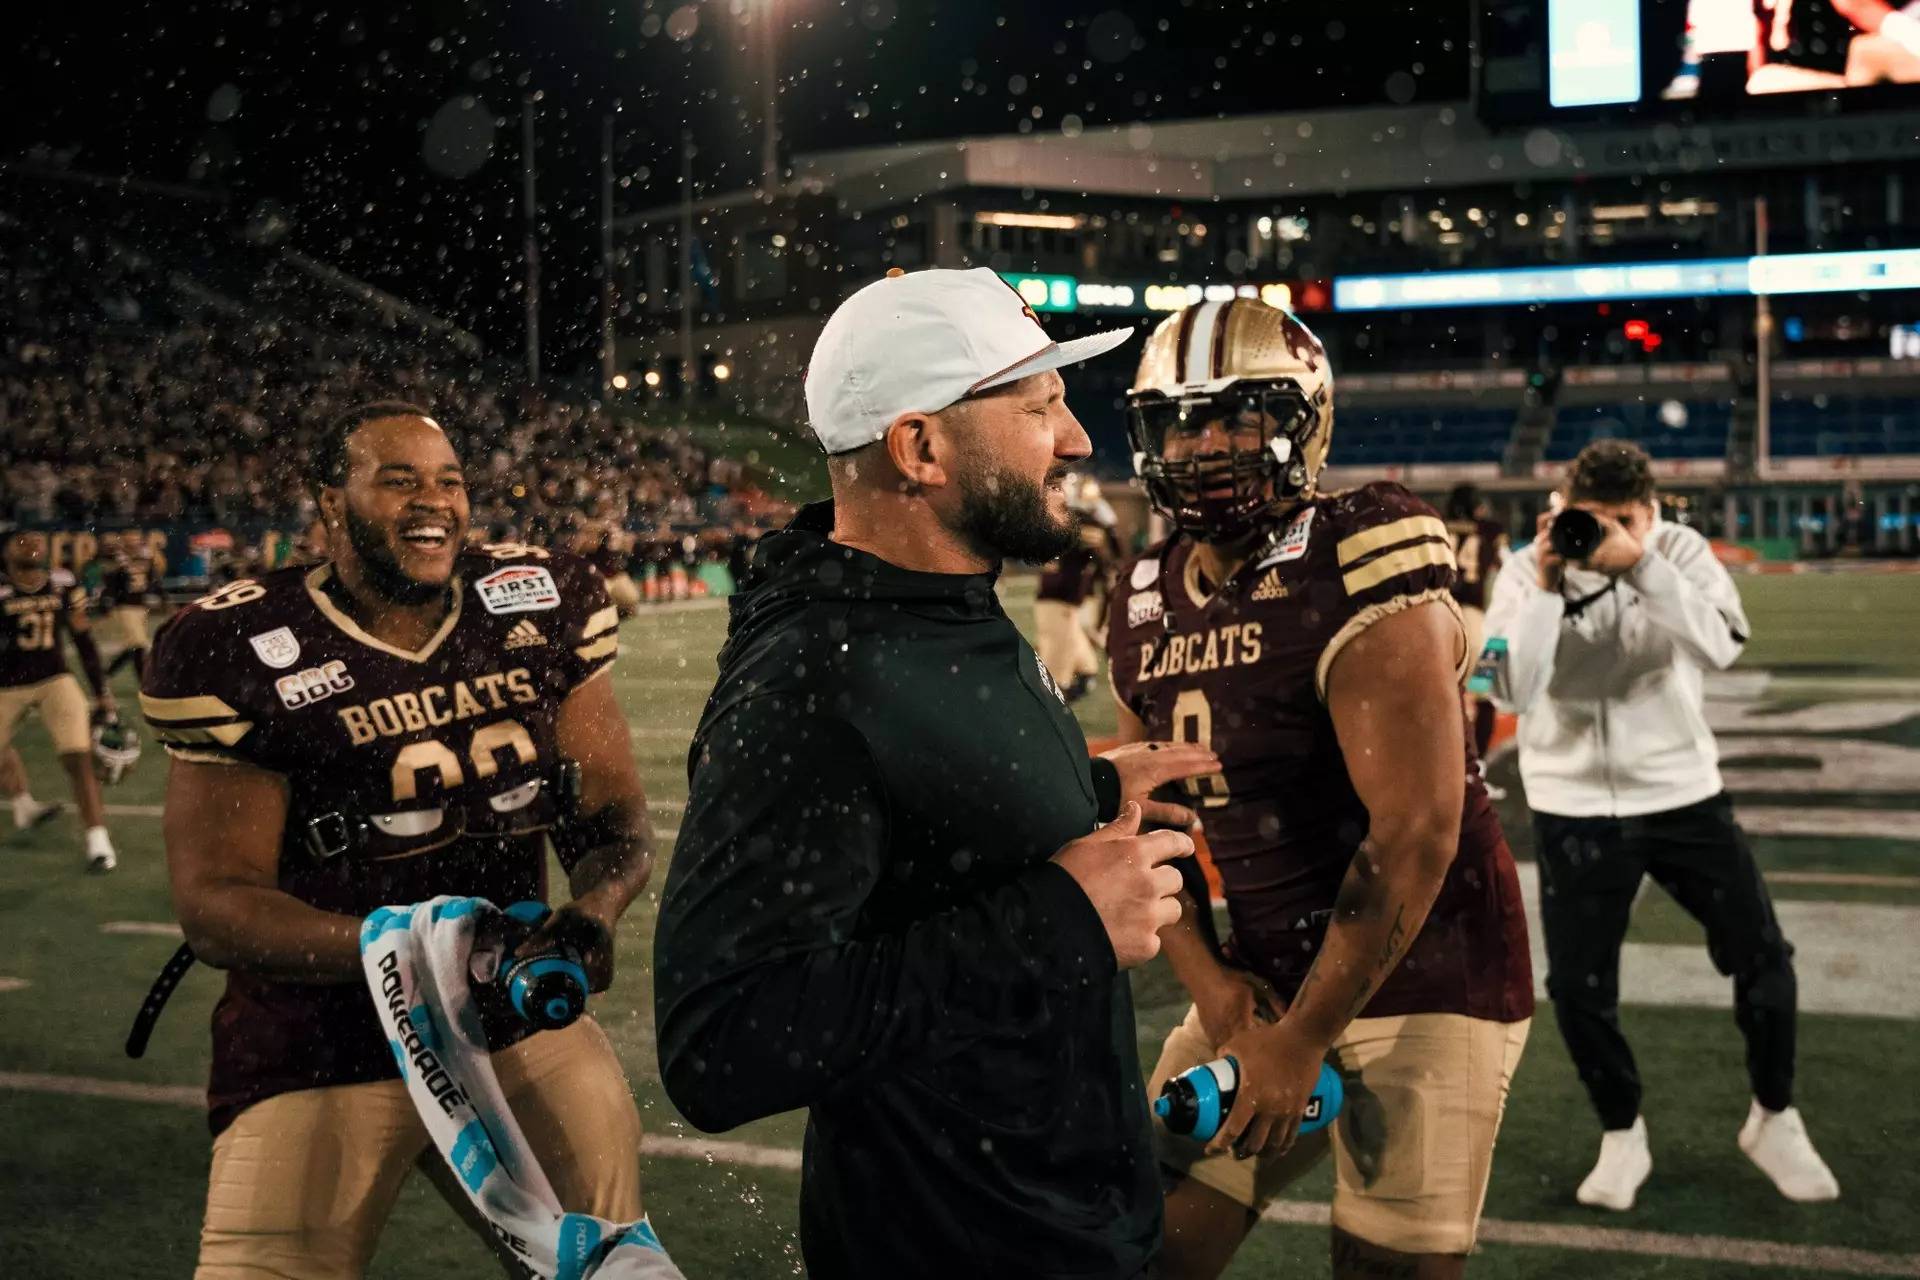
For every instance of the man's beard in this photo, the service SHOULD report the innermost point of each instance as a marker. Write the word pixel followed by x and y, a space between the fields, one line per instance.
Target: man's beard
pixel 1004 515
pixel 383 571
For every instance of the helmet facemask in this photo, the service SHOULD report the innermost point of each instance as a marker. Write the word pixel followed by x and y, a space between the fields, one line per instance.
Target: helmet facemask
pixel 1224 493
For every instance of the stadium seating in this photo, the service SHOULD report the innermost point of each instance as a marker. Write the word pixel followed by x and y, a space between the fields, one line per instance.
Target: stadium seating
pixel 1698 431
pixel 158 365
pixel 1826 426
pixel 1397 437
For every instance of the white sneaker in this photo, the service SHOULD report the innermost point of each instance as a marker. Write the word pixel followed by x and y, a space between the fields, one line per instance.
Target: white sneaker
pixel 27 818
pixel 101 861
pixel 1777 1141
pixel 1624 1163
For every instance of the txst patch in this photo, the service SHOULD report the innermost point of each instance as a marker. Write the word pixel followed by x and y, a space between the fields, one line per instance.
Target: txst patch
pixel 1143 607
pixel 1293 542
pixel 278 648
pixel 518 588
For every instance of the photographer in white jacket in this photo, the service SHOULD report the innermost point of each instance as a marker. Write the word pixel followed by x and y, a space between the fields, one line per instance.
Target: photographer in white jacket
pixel 1603 658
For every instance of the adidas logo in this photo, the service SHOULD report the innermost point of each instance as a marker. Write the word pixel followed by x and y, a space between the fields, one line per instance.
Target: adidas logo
pixel 1270 587
pixel 524 633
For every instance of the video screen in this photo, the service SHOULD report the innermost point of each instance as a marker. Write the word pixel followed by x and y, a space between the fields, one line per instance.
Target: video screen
pixel 1618 52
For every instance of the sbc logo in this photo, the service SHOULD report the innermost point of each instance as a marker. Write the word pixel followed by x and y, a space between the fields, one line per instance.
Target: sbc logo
pixel 304 688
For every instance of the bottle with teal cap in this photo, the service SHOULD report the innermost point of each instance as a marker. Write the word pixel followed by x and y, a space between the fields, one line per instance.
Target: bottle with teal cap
pixel 1195 1103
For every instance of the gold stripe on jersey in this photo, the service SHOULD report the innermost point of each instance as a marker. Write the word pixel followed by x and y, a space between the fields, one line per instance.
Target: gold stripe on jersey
pixel 605 647
pixel 193 756
pixel 1405 529
pixel 604 620
pixel 1406 560
pixel 169 710
pixel 226 735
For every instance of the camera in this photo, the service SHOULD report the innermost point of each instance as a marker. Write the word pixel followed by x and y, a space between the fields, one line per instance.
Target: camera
pixel 1574 534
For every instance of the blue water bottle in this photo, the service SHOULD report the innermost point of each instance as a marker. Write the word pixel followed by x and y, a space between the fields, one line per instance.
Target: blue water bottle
pixel 548 989
pixel 1195 1103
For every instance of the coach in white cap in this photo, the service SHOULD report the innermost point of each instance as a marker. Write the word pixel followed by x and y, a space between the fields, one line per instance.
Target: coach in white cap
pixel 890 903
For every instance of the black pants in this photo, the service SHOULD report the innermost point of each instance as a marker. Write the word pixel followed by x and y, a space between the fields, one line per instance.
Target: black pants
pixel 1590 869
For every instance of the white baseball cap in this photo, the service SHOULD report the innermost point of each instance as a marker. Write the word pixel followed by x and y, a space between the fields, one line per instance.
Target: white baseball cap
pixel 919 342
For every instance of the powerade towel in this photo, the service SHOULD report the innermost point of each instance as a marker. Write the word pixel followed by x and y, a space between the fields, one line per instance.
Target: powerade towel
pixel 418 965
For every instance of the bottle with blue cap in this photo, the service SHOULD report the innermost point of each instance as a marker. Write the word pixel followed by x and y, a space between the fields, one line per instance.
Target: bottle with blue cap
pixel 548 989
pixel 1195 1103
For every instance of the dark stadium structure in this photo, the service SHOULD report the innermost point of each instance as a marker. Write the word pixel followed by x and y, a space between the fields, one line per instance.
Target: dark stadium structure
pixel 1494 293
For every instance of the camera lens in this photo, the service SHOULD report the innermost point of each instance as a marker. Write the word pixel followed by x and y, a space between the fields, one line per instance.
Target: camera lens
pixel 1574 534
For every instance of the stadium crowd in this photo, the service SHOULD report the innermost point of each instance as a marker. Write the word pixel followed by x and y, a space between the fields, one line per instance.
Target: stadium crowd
pixel 194 427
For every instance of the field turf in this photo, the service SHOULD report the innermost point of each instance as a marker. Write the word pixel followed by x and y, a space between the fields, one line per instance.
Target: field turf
pixel 105 1179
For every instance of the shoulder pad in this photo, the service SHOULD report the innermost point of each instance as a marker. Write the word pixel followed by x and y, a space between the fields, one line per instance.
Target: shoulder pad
pixel 1389 541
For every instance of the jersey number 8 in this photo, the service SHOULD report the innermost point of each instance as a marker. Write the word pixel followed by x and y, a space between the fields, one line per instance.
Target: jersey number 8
pixel 1193 722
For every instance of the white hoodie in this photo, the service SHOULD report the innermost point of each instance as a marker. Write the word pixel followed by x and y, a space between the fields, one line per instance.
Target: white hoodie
pixel 1609 691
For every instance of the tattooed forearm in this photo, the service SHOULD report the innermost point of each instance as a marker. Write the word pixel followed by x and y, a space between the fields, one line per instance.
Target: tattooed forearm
pixel 1396 940
pixel 1380 907
pixel 1390 952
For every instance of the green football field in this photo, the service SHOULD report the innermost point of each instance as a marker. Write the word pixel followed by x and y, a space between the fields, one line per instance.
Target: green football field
pixel 103 1160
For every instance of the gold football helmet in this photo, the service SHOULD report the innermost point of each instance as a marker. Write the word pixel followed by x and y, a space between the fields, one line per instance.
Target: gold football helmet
pixel 1258 375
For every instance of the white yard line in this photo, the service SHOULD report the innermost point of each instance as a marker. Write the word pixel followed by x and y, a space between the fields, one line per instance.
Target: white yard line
pixel 1652 1244
pixel 14 984
pixel 1849 958
pixel 1843 878
pixel 1655 1244
pixel 679 737
pixel 1826 820
pixel 1747 685
pixel 177 1095
pixel 142 928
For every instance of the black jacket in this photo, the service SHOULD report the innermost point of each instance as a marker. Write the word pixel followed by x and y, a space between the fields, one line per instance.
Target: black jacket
pixel 861 919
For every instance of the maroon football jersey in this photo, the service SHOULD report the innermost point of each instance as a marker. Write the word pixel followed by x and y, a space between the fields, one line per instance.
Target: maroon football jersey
pixel 1244 670
pixel 35 627
pixel 128 583
pixel 410 774
pixel 1479 549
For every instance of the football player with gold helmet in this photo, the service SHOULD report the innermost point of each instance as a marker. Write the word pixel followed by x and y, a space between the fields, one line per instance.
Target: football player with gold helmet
pixel 1312 640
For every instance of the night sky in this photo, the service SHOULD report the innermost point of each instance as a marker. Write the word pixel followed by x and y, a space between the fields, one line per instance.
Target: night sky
pixel 324 107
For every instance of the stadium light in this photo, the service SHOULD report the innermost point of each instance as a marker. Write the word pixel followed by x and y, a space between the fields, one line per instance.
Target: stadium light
pixel 1035 221
pixel 653 377
pixel 721 373
pixel 620 382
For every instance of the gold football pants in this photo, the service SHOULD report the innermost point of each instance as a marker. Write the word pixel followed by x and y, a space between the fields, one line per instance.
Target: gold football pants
pixel 303 1182
pixel 1413 1145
